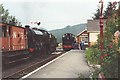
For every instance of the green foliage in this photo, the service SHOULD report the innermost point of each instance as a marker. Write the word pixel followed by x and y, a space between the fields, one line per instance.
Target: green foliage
pixel 3 13
pixel 110 66
pixel 110 62
pixel 109 11
pixel 96 15
pixel 6 18
pixel 92 55
pixel 108 58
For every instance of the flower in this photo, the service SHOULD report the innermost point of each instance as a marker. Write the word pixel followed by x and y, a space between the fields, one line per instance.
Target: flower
pixel 110 46
pixel 101 57
pixel 105 54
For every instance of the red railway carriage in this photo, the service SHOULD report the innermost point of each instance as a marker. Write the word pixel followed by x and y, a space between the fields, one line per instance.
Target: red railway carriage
pixel 14 43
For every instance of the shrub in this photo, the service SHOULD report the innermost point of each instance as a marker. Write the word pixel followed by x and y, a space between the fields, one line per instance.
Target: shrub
pixel 92 55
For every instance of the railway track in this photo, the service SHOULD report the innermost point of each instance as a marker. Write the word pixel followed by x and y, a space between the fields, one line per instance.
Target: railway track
pixel 22 70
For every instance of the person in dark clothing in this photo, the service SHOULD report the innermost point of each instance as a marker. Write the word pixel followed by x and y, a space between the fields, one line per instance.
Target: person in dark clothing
pixel 82 45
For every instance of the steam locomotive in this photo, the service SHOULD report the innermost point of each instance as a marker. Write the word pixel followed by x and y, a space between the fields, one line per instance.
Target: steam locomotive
pixel 18 43
pixel 68 41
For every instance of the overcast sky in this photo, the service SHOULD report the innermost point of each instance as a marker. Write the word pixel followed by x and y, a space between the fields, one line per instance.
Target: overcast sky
pixel 53 14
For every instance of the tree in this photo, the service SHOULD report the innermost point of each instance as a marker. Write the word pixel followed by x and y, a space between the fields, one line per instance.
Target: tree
pixel 109 56
pixel 3 14
pixel 13 20
pixel 97 14
pixel 6 18
pixel 109 11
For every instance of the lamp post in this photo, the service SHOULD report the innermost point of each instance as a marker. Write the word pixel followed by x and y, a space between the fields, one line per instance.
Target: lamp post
pixel 101 26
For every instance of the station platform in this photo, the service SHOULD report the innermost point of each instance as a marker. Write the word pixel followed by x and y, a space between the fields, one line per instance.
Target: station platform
pixel 72 64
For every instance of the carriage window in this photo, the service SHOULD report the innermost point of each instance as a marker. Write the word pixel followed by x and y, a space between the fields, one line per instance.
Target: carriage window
pixel 4 31
pixel 18 35
pixel 9 31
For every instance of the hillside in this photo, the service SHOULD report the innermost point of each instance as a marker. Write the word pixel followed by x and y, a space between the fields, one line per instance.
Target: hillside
pixel 71 29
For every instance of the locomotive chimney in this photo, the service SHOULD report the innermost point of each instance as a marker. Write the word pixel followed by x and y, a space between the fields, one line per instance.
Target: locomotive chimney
pixel 27 26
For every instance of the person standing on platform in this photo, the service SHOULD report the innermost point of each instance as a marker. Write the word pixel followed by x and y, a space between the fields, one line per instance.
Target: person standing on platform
pixel 82 45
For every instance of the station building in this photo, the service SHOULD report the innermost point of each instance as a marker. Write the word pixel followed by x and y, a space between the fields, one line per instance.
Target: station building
pixel 90 34
pixel 93 29
pixel 83 36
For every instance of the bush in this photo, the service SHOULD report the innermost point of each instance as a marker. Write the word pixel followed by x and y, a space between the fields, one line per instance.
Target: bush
pixel 92 55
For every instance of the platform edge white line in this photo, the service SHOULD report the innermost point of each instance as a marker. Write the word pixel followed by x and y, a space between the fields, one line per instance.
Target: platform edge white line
pixel 41 67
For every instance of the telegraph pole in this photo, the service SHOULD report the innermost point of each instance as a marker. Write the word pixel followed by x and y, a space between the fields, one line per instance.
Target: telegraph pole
pixel 101 26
